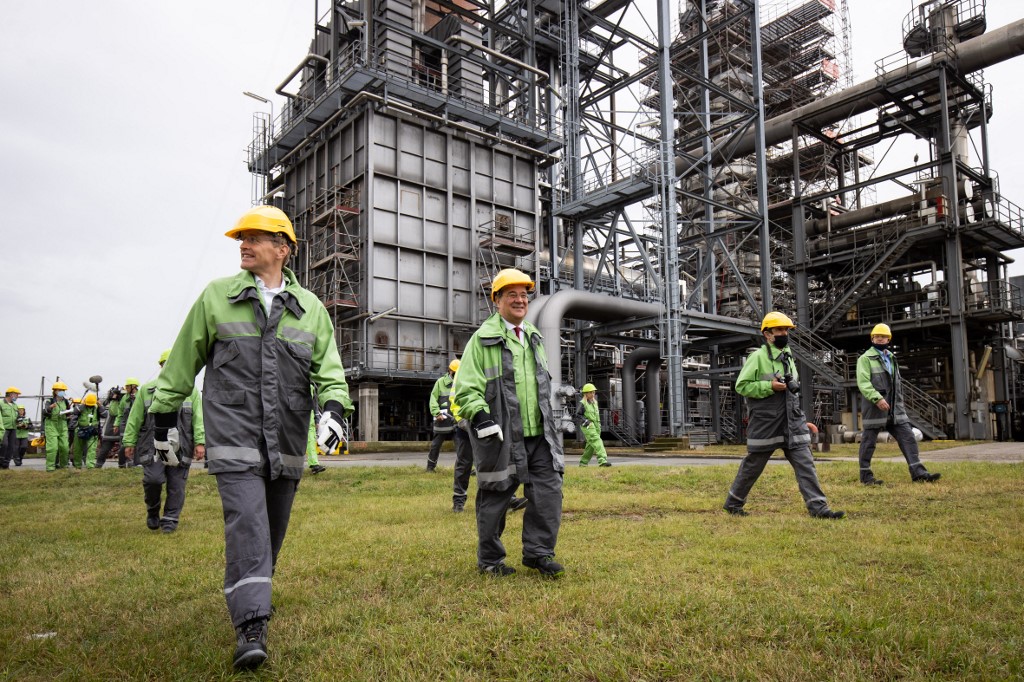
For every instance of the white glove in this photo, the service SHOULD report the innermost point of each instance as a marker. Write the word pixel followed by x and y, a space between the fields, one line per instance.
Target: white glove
pixel 330 431
pixel 486 427
pixel 167 450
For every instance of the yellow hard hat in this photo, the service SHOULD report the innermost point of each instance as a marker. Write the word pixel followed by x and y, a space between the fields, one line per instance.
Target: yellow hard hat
pixel 881 330
pixel 776 319
pixel 90 400
pixel 454 365
pixel 510 276
pixel 163 356
pixel 264 219
pixel 588 388
pixel 12 389
pixel 131 381
pixel 76 401
pixel 60 386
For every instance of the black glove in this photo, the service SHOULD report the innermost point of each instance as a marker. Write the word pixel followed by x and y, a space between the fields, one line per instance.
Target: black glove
pixel 165 437
pixel 485 426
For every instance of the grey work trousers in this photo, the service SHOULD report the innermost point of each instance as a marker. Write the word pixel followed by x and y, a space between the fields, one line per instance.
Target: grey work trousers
pixel 904 435
pixel 9 448
pixel 542 517
pixel 799 458
pixel 435 448
pixel 463 467
pixel 256 513
pixel 154 476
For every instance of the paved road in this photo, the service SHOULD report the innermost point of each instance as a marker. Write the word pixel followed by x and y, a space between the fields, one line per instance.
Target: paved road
pixel 1003 453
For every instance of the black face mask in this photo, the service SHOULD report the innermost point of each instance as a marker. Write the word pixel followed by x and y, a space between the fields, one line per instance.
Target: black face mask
pixel 880 347
pixel 781 342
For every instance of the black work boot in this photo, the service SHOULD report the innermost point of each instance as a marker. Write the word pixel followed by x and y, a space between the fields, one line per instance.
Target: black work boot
pixel 736 511
pixel 252 644
pixel 317 468
pixel 828 514
pixel 152 521
pixel 517 503
pixel 497 570
pixel 927 478
pixel 547 566
pixel 871 480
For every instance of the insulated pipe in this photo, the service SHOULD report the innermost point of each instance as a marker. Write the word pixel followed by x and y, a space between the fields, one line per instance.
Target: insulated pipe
pixel 974 54
pixel 581 305
pixel 629 388
pixel 303 64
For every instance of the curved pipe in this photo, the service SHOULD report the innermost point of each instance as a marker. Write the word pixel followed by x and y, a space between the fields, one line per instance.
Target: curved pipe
pixel 584 305
pixel 648 355
pixel 295 72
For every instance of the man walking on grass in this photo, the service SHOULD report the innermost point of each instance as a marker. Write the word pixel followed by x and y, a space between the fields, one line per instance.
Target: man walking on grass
pixel 264 340
pixel 503 389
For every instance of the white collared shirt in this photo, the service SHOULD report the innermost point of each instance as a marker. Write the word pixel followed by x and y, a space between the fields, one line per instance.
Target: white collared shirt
pixel 268 293
pixel 511 327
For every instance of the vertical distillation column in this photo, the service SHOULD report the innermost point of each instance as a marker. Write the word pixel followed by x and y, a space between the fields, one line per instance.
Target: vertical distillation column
pixel 671 324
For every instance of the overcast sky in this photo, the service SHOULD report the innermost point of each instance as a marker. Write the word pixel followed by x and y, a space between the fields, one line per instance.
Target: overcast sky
pixel 122 163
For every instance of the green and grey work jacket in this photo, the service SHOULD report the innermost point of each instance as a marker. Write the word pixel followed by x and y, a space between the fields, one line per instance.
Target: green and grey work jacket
pixel 496 376
pixel 775 418
pixel 259 368
pixel 876 382
pixel 140 428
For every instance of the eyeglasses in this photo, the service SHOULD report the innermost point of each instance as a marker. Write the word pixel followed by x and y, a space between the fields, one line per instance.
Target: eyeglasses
pixel 252 239
pixel 516 296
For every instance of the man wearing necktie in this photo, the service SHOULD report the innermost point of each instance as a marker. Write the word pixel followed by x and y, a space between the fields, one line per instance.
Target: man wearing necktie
pixel 878 379
pixel 504 393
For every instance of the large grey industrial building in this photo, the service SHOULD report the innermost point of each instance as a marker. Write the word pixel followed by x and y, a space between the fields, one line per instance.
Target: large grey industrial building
pixel 666 178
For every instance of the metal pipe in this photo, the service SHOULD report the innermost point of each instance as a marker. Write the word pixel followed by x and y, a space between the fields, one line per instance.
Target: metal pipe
pixel 499 55
pixel 974 54
pixel 629 364
pixel 303 64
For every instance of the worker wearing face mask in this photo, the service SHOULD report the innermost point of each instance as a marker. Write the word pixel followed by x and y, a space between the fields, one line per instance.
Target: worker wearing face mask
pixel 882 407
pixel 771 385
pixel 55 417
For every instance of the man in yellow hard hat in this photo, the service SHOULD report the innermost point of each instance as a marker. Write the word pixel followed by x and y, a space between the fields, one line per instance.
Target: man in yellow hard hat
pixel 88 415
pixel 882 407
pixel 440 410
pixel 56 409
pixel 264 341
pixel 8 428
pixel 503 389
pixel 590 424
pixel 771 385
pixel 172 470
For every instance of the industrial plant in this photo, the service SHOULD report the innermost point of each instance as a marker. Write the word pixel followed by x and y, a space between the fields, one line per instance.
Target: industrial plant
pixel 666 178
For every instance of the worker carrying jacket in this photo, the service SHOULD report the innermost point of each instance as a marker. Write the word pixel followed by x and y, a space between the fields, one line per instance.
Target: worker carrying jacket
pixel 776 419
pixel 875 382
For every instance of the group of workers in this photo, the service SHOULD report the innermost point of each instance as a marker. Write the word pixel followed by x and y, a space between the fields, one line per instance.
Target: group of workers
pixel 271 364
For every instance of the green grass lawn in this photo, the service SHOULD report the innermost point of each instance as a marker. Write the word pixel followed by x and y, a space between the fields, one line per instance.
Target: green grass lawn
pixel 377 580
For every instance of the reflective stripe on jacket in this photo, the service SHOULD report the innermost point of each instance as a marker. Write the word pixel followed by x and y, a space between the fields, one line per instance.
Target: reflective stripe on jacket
pixel 876 382
pixel 139 429
pixel 259 368
pixel 495 378
pixel 775 418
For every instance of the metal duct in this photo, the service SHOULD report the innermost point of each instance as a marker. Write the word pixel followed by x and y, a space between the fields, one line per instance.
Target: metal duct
pixel 974 54
pixel 653 381
pixel 584 305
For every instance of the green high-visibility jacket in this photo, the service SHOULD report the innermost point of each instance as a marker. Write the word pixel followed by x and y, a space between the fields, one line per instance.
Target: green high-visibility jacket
pixel 775 418
pixel 8 414
pixel 139 429
pixel 510 381
pixel 23 425
pixel 259 368
pixel 439 394
pixel 876 382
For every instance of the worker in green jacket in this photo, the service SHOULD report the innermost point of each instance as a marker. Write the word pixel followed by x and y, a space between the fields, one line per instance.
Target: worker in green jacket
pixel 110 436
pixel 770 383
pixel 131 391
pixel 56 409
pixel 8 428
pixel 441 415
pixel 504 391
pixel 882 407
pixel 590 424
pixel 23 425
pixel 169 468
pixel 264 340
pixel 87 432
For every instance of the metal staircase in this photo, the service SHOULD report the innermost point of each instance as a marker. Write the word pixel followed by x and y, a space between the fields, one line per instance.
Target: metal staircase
pixel 890 247
pixel 624 432
pixel 925 412
pixel 827 361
